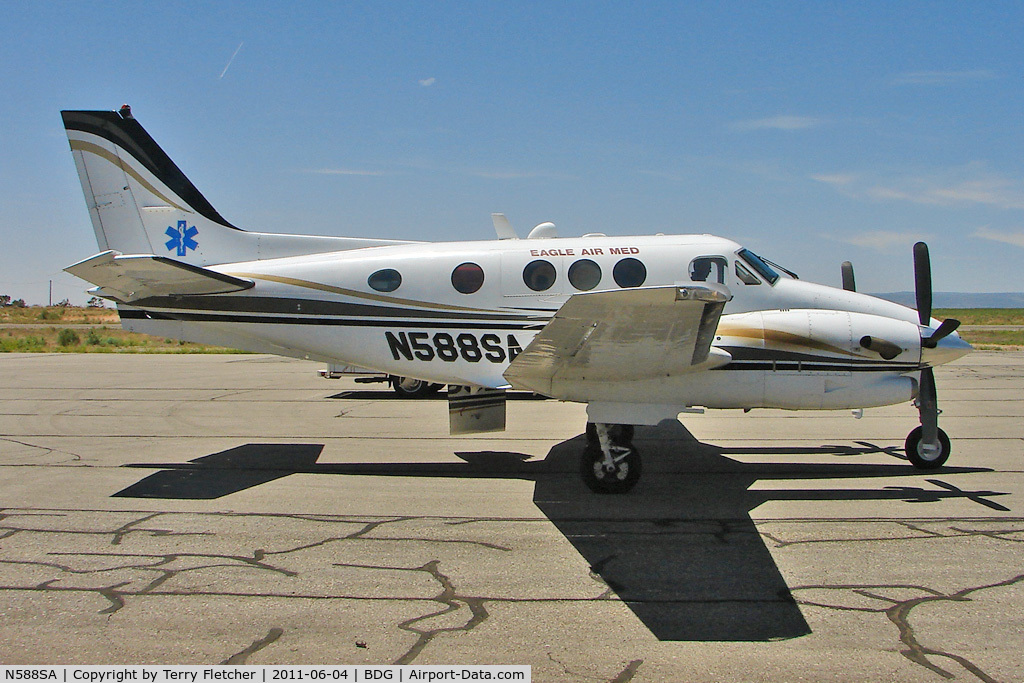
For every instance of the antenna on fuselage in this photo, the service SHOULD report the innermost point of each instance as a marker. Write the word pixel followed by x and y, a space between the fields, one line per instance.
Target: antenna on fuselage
pixel 503 226
pixel 543 231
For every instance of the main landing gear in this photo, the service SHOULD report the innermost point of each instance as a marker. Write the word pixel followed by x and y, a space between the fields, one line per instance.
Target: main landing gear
pixel 610 463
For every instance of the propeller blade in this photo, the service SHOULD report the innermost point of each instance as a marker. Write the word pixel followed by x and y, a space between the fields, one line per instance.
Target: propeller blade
pixel 849 284
pixel 885 349
pixel 928 407
pixel 923 282
pixel 947 328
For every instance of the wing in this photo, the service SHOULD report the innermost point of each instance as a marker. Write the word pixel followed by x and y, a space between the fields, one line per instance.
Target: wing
pixel 625 334
pixel 128 278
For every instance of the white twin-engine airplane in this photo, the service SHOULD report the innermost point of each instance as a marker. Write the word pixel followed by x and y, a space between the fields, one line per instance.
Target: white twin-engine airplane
pixel 640 329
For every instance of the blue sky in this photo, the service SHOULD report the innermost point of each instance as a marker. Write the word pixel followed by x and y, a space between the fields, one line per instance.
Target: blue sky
pixel 812 132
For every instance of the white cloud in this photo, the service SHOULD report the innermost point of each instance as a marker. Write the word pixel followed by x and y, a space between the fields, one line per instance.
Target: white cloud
pixel 960 186
pixel 788 123
pixel 942 77
pixel 343 171
pixel 1014 238
pixel 994 191
pixel 835 179
pixel 515 175
pixel 880 240
pixel 427 82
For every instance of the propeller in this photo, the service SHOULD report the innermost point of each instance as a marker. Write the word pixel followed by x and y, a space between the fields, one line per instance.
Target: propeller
pixel 923 291
pixel 923 283
pixel 849 284
pixel 928 446
pixel 947 328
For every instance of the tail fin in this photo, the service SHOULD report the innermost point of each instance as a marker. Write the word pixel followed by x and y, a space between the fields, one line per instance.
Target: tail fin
pixel 141 203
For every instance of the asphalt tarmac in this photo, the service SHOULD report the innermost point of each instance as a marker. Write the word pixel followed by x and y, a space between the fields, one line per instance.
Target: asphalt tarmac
pixel 241 509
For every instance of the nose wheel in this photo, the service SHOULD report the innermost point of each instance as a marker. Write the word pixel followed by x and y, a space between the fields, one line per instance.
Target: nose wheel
pixel 924 455
pixel 610 463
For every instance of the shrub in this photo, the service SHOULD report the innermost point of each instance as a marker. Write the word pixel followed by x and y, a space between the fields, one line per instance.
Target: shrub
pixel 68 337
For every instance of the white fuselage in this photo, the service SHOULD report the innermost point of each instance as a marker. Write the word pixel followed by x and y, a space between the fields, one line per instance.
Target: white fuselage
pixel 793 344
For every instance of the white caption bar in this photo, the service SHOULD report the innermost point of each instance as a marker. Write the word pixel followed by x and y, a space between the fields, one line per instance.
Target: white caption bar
pixel 266 674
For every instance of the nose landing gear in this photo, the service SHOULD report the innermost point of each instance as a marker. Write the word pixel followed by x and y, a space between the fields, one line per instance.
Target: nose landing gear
pixel 924 455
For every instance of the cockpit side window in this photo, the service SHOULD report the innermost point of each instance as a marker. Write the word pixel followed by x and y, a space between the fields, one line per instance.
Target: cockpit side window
pixel 708 269
pixel 759 266
pixel 745 276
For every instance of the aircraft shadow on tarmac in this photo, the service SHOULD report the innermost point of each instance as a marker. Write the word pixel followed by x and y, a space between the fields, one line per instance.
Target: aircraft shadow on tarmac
pixel 680 550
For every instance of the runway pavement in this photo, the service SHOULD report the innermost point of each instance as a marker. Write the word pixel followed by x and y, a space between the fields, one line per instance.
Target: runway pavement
pixel 240 509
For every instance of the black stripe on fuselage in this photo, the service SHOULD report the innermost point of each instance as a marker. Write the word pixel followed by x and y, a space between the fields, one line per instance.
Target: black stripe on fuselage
pixel 129 135
pixel 748 358
pixel 186 316
pixel 172 305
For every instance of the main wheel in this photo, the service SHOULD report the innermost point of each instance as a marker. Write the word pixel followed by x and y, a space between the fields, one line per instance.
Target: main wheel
pixel 407 387
pixel 923 456
pixel 619 478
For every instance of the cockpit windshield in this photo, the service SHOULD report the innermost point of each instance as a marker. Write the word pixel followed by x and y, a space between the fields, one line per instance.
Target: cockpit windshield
pixel 758 264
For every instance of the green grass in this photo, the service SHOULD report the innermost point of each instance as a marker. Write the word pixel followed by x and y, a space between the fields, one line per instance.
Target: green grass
pixel 993 337
pixel 982 316
pixel 101 339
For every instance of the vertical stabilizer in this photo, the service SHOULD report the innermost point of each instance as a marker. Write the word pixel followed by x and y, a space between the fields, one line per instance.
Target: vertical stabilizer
pixel 141 203
pixel 139 200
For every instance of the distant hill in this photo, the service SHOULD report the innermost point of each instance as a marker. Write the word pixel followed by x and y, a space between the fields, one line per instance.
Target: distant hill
pixel 961 299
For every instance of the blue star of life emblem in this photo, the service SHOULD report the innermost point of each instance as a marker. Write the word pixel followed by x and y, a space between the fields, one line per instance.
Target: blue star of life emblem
pixel 182 238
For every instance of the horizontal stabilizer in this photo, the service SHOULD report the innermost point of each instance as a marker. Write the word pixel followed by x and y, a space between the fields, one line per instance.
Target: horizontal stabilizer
pixel 622 335
pixel 128 278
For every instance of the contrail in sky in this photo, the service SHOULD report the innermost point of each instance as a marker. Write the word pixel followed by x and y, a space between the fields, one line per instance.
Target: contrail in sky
pixel 231 60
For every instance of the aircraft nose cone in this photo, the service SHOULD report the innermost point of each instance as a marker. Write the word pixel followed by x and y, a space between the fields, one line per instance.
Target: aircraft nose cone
pixel 948 349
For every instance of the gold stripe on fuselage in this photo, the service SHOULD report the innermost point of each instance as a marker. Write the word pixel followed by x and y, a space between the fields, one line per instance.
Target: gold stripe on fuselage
pixel 307 284
pixel 779 338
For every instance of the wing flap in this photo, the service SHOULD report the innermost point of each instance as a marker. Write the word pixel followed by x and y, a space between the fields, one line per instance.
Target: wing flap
pixel 131 277
pixel 625 334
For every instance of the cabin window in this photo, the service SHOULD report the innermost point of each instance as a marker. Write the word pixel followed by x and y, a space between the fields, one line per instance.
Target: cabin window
pixel 584 274
pixel 708 269
pixel 387 280
pixel 745 276
pixel 467 278
pixel 629 272
pixel 539 275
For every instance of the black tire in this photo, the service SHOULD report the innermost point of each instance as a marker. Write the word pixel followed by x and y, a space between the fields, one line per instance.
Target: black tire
pixel 621 434
pixel 406 387
pixel 922 460
pixel 621 480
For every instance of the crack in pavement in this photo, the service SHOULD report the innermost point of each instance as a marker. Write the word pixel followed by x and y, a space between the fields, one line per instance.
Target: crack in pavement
pixel 167 566
pixel 627 674
pixel 243 656
pixel 450 610
pixel 623 676
pixel 448 597
pixel 75 457
pixel 921 531
pixel 898 612
pixel 117 535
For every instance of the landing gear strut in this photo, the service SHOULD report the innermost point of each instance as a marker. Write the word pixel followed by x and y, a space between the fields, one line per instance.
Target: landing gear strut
pixel 610 463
